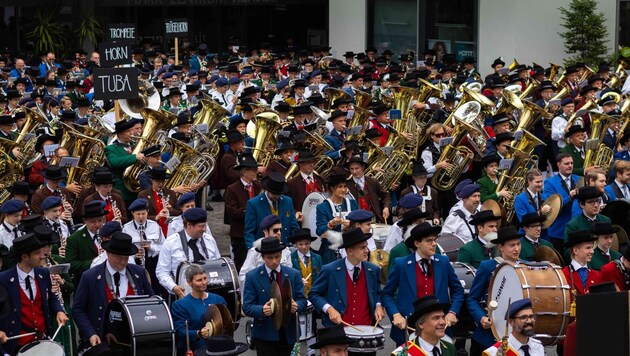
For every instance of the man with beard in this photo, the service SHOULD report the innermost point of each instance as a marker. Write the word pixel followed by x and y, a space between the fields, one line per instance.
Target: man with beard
pixel 520 342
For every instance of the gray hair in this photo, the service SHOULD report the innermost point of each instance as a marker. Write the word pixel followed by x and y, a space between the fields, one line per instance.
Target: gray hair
pixel 193 270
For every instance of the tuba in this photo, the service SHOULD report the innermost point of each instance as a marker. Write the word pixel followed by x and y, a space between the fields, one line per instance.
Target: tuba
pixel 154 121
pixel 318 146
pixel 362 99
pixel 33 121
pixel 10 172
pixel 388 170
pixel 91 152
pixel 210 113
pixel 334 94
pixel 194 167
pixel 469 94
pixel 267 124
pixel 360 117
pixel 600 156
pixel 530 116
pixel 148 97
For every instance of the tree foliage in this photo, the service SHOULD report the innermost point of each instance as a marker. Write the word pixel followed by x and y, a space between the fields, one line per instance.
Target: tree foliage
pixel 585 35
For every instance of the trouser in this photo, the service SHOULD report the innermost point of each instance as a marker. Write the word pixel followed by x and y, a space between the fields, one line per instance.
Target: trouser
pixel 476 349
pixel 239 250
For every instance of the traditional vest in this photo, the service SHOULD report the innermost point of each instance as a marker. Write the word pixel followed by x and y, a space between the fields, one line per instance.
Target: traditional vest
pixel 158 207
pixel 497 346
pixel 382 130
pixel 32 315
pixel 110 296
pixel 307 271
pixel 435 153
pixel 424 284
pixel 358 309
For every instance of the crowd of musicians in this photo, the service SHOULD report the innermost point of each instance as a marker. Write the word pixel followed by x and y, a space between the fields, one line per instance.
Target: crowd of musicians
pixel 515 168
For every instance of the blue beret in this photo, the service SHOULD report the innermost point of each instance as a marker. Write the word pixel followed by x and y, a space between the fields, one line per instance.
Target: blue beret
pixel 185 198
pixel 360 215
pixel 410 201
pixel 139 204
pixel 469 190
pixel 314 73
pixel 461 185
pixel 109 228
pixel 12 206
pixel 82 121
pixel 246 71
pixel 161 70
pixel 234 80
pixel 167 75
pixel 221 82
pixel 192 72
pixel 213 78
pixel 50 202
pixel 268 221
pixel 517 306
pixel 195 215
pixel 283 83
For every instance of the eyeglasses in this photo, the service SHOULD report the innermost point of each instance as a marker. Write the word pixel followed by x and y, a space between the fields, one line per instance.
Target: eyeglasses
pixel 439 134
pixel 535 226
pixel 430 241
pixel 524 318
pixel 594 202
pixel 275 231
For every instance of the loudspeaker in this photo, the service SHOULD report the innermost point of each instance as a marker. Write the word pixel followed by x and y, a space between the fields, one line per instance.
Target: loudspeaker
pixel 603 324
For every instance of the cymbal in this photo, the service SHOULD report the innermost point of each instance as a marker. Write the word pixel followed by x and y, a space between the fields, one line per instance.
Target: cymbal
pixel 276 302
pixel 550 254
pixel 228 323
pixel 621 236
pixel 555 202
pixel 213 320
pixel 287 298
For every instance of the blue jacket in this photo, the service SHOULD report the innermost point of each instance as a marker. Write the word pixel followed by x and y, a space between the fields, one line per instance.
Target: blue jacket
pixel 257 292
pixel 613 192
pixel 193 310
pixel 401 289
pixel 555 185
pixel 479 292
pixel 90 298
pixel 43 69
pixel 196 65
pixel 316 264
pixel 349 91
pixel 523 206
pixel 336 142
pixel 258 207
pixel 330 288
pixel 12 324
pixel 323 216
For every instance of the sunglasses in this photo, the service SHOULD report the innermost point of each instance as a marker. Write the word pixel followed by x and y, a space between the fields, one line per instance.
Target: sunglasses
pixel 275 231
pixel 439 134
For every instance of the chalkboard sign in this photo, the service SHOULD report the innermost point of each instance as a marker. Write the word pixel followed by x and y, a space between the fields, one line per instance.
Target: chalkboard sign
pixel 115 53
pixel 121 32
pixel 115 83
pixel 175 28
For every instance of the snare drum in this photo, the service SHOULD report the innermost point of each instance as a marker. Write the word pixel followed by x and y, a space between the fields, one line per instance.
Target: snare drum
pixel 42 348
pixel 144 323
pixel 545 285
pixel 365 339
pixel 466 325
pixel 450 245
pixel 306 323
pixel 222 280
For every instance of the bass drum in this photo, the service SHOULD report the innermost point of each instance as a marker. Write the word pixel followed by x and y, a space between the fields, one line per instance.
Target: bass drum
pixel 222 280
pixel 465 326
pixel 142 324
pixel 545 285
pixel 450 244
pixel 309 213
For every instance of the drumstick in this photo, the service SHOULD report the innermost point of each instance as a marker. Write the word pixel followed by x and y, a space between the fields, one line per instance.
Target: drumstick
pixel 57 332
pixel 123 344
pixel 352 326
pixel 19 336
pixel 375 324
pixel 309 276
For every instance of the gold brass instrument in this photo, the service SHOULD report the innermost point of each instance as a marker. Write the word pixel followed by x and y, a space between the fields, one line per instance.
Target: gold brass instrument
pixel 374 151
pixel 531 86
pixel 318 146
pixel 413 121
pixel 600 156
pixel 509 102
pixel 458 156
pixel 562 92
pixel 89 150
pixel 148 98
pixel 486 105
pixel 388 170
pixel 623 120
pixel 333 94
pixel 590 104
pixel 267 124
pixel 154 121
pixel 360 117
pixel 27 147
pixel 588 72
pixel 210 113
pixel 619 76
pixel 514 179
pixel 194 166
pixel 530 115
pixel 362 99
pixel 10 172
pixel 513 65
pixel 380 258
pixel 553 71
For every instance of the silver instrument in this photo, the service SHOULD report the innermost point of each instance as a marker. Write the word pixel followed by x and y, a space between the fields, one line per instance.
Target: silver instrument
pixel 64 201
pixel 53 282
pixel 143 238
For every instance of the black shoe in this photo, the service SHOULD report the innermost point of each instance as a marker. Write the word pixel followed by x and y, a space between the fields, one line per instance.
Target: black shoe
pixel 217 198
pixel 209 207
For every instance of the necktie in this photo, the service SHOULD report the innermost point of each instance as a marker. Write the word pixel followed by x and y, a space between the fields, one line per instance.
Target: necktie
pixel 425 266
pixel 192 243
pixel 250 190
pixel 15 232
pixel 274 275
pixel 568 182
pixel 27 281
pixel 536 201
pixel 625 191
pixel 355 274
pixel 525 349
pixel 436 351
pixel 583 273
pixel 274 208
pixel 582 153
pixel 306 260
pixel 117 283
pixel 536 245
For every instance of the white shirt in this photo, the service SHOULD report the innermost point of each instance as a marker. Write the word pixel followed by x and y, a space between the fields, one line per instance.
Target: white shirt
pixel 536 348
pixel 427 160
pixel 172 253
pixel 457 226
pixel 360 182
pixel 576 265
pixel 7 236
pixel 177 224
pixel 254 260
pixel 65 232
pixel 102 257
pixel 124 281
pixel 152 232
pixel 22 278
pixel 558 125
pixel 425 346
pixel 394 237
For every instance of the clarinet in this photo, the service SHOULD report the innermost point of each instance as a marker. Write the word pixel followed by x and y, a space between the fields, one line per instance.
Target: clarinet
pixel 53 282
pixel 142 239
pixel 164 202
pixel 64 202
pixel 114 207
pixel 28 208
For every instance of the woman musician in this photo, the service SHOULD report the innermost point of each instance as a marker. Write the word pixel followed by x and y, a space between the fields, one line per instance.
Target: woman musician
pixel 531 199
pixel 58 220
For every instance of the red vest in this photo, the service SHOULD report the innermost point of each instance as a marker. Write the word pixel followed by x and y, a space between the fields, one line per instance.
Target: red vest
pixel 358 310
pixel 424 284
pixel 382 130
pixel 32 315
pixel 110 211
pixel 364 197
pixel 158 207
pixel 109 295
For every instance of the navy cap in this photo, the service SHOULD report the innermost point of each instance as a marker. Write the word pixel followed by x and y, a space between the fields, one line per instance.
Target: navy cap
pixel 185 198
pixel 139 204
pixel 410 201
pixel 268 221
pixel 469 190
pixel 517 306
pixel 110 228
pixel 152 150
pixel 246 71
pixel 360 215
pixel 461 185
pixel 233 81
pixel 12 206
pixel 195 215
pixel 221 82
pixel 50 202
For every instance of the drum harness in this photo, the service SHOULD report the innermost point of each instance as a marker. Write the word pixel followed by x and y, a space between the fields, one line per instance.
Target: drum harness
pixel 426 197
pixel 460 213
pixel 182 238
pixel 112 288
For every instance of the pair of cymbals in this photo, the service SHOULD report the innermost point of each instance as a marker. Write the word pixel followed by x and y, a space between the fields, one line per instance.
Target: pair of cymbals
pixel 281 303
pixel 218 320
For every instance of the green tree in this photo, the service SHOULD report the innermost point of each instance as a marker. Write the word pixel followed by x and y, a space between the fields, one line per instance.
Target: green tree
pixel 585 35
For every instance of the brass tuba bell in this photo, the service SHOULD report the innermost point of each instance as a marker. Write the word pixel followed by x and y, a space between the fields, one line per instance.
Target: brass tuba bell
pixel 148 97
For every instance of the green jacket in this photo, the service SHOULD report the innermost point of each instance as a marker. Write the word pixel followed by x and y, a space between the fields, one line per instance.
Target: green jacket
pixel 399 250
pixel 527 248
pixel 473 253
pixel 578 161
pixel 80 251
pixel 119 160
pixel 487 189
pixel 600 259
pixel 580 222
